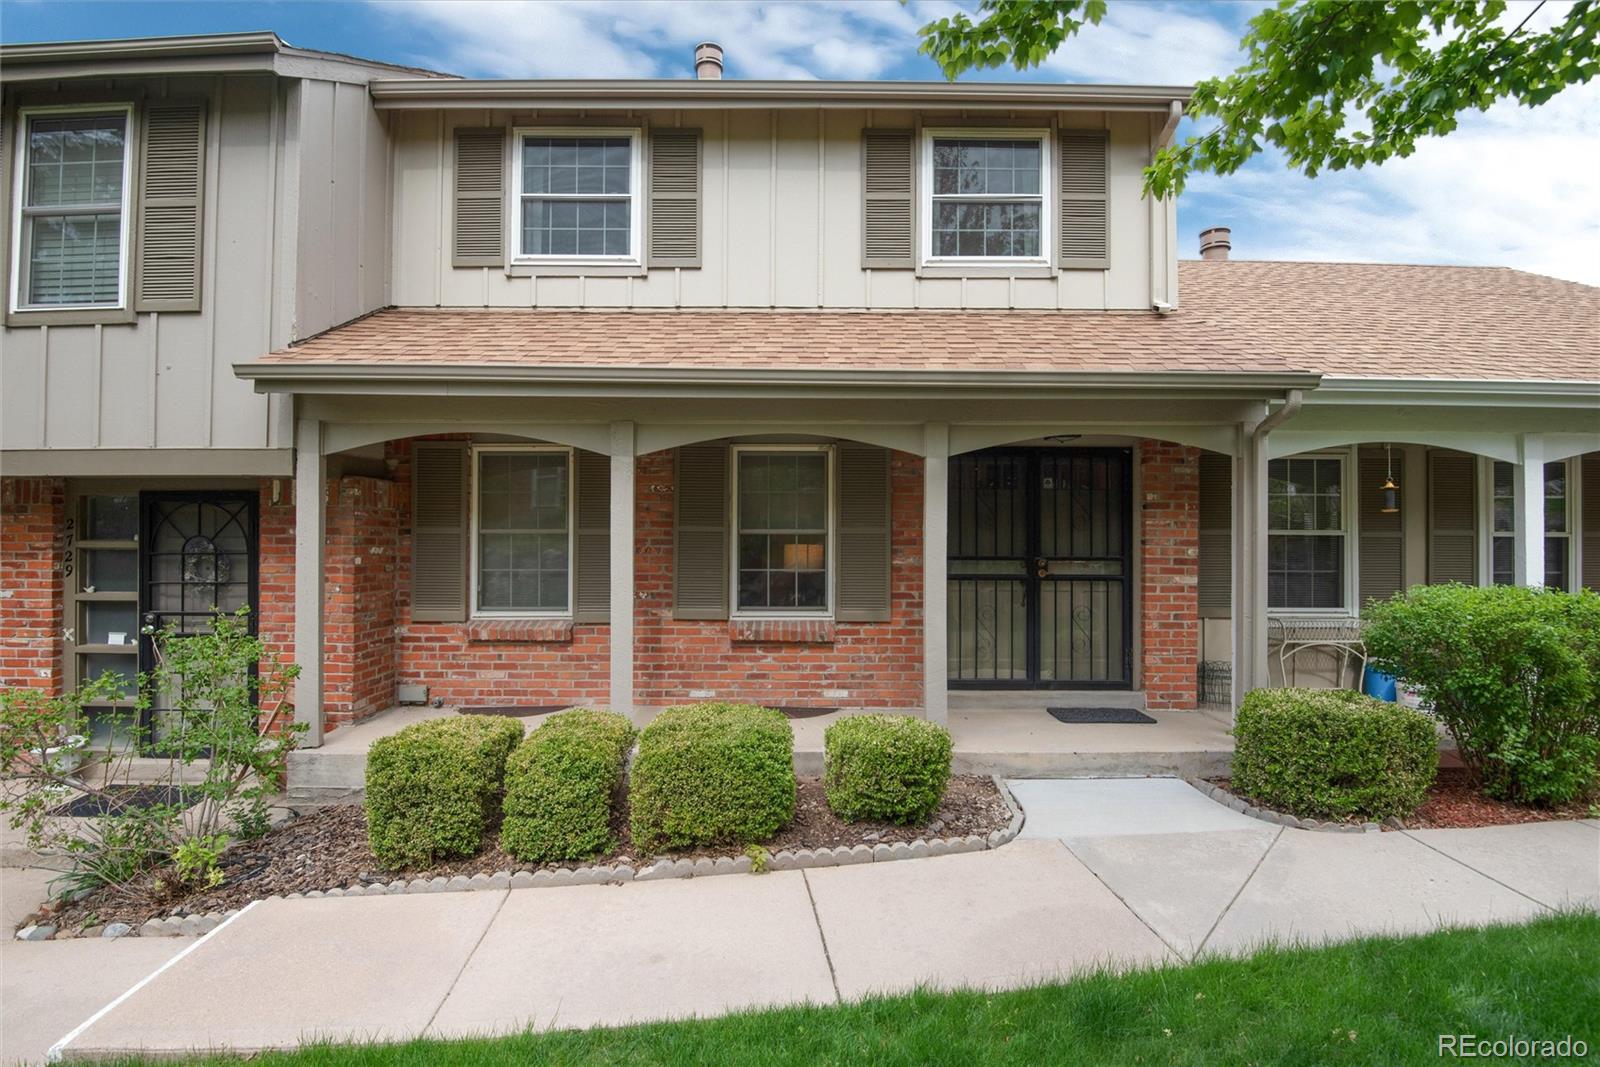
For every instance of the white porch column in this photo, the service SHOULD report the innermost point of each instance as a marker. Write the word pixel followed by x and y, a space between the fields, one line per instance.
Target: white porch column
pixel 310 535
pixel 622 596
pixel 935 531
pixel 1527 482
pixel 1250 662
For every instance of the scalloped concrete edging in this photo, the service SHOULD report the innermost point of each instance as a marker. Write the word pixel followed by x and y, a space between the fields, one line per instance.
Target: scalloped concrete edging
pixel 1278 818
pixel 606 874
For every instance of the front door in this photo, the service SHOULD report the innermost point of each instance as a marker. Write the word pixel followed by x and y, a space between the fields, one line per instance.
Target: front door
pixel 1040 578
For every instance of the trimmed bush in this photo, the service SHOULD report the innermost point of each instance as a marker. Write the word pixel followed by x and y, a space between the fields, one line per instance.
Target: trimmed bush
pixel 1514 675
pixel 1332 754
pixel 892 768
pixel 560 784
pixel 432 788
pixel 712 773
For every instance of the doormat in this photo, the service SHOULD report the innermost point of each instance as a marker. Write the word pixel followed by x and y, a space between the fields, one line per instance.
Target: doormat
pixel 123 798
pixel 518 711
pixel 1097 715
pixel 803 713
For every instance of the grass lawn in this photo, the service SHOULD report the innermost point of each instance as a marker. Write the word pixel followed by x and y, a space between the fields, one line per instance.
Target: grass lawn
pixel 1377 1001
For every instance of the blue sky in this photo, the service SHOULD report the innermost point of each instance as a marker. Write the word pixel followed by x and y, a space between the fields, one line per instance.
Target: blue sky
pixel 1512 187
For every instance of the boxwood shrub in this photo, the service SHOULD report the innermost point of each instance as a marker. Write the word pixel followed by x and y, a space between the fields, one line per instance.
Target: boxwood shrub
pixel 892 768
pixel 1332 754
pixel 560 785
pixel 709 773
pixel 433 787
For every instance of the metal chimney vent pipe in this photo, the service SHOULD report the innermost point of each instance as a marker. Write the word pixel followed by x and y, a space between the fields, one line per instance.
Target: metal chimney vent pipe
pixel 708 60
pixel 1216 242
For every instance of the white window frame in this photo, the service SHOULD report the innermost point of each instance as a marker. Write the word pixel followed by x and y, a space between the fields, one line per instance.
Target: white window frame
pixel 1347 530
pixel 831 541
pixel 476 509
pixel 635 195
pixel 1488 534
pixel 20 198
pixel 1046 213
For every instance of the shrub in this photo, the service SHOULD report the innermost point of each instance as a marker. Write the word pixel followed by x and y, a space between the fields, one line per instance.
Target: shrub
pixel 1514 675
pixel 711 773
pixel 560 783
pixel 888 767
pixel 432 787
pixel 1333 754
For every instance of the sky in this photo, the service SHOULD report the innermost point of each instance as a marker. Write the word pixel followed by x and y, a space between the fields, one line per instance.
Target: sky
pixel 1511 187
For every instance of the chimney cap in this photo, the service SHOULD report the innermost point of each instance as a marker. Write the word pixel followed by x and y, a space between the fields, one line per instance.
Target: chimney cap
pixel 1216 242
pixel 708 60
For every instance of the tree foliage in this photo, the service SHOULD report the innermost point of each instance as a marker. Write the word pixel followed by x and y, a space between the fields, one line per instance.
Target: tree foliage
pixel 1330 83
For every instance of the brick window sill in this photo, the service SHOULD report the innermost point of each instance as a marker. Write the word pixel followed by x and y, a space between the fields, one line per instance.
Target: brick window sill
pixel 781 631
pixel 520 631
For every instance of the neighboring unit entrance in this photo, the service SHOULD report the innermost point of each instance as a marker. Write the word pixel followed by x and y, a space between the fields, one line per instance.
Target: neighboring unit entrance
pixel 1040 569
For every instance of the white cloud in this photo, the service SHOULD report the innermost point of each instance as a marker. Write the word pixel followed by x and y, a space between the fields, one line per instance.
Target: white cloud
pixel 1149 44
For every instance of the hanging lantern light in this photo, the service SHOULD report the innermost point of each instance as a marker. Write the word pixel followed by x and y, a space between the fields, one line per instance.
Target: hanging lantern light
pixel 1391 491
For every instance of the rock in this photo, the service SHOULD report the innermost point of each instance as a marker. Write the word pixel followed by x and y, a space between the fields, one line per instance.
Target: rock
pixel 500 880
pixel 1394 822
pixel 658 869
pixel 1371 828
pixel 152 928
pixel 882 853
pixel 460 883
pixel 938 847
pixel 726 865
pixel 827 857
pixel 919 849
pixel 41 932
pixel 874 836
pixel 479 881
pixel 116 930
pixel 522 880
pixel 804 858
pixel 783 861
pixel 856 854
pixel 1251 811
pixel 1310 824
pixel 899 851
pixel 705 865
pixel 935 826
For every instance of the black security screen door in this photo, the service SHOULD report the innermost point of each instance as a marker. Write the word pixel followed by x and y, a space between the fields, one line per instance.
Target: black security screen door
pixel 1040 592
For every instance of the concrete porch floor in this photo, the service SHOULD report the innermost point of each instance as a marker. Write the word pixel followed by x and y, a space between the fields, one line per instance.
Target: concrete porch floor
pixel 994 733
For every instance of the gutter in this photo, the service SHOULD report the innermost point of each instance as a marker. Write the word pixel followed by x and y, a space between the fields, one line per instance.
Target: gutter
pixel 1163 259
pixel 1291 407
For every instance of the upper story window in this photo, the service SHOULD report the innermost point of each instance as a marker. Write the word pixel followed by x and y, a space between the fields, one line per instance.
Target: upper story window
pixel 577 196
pixel 985 197
pixel 782 520
pixel 522 519
pixel 1503 525
pixel 71 221
pixel 1306 533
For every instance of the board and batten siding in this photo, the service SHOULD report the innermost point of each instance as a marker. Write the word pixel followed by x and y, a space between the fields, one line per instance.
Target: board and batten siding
pixel 781 221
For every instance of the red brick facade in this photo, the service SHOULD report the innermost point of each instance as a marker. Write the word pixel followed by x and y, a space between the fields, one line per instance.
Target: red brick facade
pixel 31 582
pixel 1169 499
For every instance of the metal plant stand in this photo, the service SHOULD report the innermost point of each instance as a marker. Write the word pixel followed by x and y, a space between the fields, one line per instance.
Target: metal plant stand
pixel 1336 634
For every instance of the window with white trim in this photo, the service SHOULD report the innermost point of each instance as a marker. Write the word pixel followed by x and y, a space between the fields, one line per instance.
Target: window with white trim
pixel 577 196
pixel 1307 539
pixel 985 196
pixel 522 531
pixel 783 516
pixel 1557 525
pixel 71 220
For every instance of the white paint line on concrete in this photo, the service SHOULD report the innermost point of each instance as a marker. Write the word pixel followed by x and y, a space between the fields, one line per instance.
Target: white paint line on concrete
pixel 58 1050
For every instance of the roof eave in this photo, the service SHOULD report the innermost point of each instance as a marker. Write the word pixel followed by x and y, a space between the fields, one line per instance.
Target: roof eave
pixel 1457 392
pixel 261 50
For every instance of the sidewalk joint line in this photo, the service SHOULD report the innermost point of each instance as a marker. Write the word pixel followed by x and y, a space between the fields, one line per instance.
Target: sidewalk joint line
pixel 1474 870
pixel 827 956
pixel 1174 949
pixel 505 895
pixel 1201 947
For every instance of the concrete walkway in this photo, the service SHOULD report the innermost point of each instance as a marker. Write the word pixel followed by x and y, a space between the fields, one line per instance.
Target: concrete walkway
pixel 388 968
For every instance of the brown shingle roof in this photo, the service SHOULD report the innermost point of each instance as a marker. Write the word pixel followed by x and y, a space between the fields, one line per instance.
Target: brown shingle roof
pixel 1338 319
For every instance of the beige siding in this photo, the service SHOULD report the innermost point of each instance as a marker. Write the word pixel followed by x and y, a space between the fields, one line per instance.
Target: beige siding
pixel 781 223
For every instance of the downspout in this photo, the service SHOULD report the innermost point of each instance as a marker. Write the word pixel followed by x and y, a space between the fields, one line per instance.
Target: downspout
pixel 1291 407
pixel 1163 295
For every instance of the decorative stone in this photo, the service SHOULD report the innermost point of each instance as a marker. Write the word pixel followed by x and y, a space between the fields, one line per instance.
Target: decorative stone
pixel 522 880
pixel 1310 824
pixel 737 865
pixel 41 932
pixel 397 886
pixel 827 857
pixel 900 850
pixel 658 869
pixel 438 884
pixel 938 847
pixel 203 924
pixel 1371 828
pixel 918 849
pixel 544 878
pixel 1252 811
pixel 334 892
pixel 624 872
pixel 459 884
pixel 783 861
pixel 844 857
pixel 116 930
pixel 1394 822
pixel 151 928
pixel 882 853
pixel 724 865
pixel 500 880
pixel 805 857
pixel 703 866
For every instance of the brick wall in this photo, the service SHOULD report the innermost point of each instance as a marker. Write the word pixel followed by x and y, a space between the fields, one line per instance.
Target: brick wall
pixel 1169 478
pixel 31 582
pixel 363 531
pixel 275 570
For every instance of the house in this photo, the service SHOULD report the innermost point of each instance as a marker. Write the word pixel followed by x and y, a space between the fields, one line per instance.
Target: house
pixel 819 394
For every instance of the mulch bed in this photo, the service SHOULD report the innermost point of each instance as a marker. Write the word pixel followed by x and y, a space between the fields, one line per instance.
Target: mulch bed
pixel 1454 802
pixel 326 848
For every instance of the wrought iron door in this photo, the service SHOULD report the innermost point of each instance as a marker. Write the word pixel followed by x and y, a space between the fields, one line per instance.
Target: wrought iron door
pixel 1040 574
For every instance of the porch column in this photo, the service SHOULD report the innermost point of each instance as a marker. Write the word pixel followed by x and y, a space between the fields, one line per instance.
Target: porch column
pixel 622 596
pixel 1527 486
pixel 935 531
pixel 310 534
pixel 1250 663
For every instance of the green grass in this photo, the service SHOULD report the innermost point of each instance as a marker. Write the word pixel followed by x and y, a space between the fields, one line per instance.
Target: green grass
pixel 1374 1001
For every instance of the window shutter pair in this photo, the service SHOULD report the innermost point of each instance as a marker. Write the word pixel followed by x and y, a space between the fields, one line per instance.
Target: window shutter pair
pixel 1452 518
pixel 170 206
pixel 888 189
pixel 1380 544
pixel 440 531
pixel 671 189
pixel 1216 535
pixel 1589 519
pixel 702 531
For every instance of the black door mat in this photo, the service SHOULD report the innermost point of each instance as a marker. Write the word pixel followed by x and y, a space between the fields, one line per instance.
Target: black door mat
pixel 519 711
pixel 1098 715
pixel 802 713
pixel 123 798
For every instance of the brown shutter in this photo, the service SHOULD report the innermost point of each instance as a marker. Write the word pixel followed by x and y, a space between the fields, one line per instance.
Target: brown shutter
pixel 172 159
pixel 1380 544
pixel 675 168
pixel 1085 182
pixel 439 531
pixel 700 530
pixel 1216 535
pixel 1452 518
pixel 479 239
pixel 1589 520
pixel 888 215
pixel 862 589
pixel 592 580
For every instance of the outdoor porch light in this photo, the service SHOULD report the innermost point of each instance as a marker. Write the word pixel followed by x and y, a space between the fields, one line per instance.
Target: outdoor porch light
pixel 1391 491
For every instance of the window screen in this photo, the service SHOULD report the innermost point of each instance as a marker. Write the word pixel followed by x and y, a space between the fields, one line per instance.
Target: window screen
pixel 783 531
pixel 72 210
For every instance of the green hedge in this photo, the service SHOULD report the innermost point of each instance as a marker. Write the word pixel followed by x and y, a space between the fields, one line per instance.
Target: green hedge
pixel 560 784
pixel 433 787
pixel 892 768
pixel 709 773
pixel 1332 754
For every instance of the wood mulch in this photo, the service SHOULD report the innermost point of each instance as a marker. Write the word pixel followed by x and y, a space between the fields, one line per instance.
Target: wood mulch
pixel 326 848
